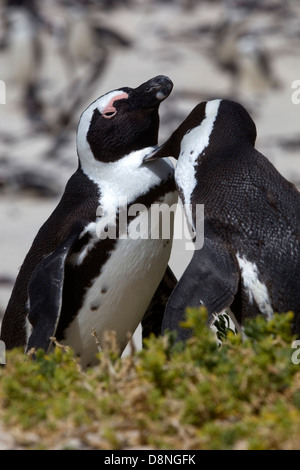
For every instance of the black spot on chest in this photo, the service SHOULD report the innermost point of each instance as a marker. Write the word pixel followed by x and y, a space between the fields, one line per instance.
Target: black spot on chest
pixel 94 307
pixel 79 278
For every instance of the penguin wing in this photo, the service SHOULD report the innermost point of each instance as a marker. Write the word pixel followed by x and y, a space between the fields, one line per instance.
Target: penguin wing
pixel 211 279
pixel 153 318
pixel 45 291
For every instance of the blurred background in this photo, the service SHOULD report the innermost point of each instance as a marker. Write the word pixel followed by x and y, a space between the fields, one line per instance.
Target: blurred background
pixel 57 56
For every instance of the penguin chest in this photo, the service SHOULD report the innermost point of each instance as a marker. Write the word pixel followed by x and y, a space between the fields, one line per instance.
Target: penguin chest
pixel 119 295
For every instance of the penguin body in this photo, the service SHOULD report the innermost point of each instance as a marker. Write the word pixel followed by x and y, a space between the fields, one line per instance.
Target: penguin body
pixel 76 276
pixel 250 259
pixel 24 55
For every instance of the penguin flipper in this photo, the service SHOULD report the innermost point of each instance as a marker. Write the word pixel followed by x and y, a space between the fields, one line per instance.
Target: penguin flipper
pixel 45 291
pixel 211 279
pixel 153 318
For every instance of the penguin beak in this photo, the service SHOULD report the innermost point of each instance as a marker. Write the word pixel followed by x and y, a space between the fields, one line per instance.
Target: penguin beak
pixel 151 93
pixel 161 86
pixel 150 157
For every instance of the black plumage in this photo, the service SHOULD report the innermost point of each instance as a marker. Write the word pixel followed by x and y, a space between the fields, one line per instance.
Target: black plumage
pixel 64 275
pixel 250 261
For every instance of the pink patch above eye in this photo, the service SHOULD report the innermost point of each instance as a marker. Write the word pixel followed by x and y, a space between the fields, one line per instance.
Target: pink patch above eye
pixel 109 110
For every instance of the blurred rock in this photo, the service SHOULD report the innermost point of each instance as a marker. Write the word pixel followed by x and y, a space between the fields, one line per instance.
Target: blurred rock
pixel 30 181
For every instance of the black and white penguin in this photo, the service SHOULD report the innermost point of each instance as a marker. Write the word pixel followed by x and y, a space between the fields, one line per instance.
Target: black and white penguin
pixel 250 259
pixel 24 54
pixel 74 278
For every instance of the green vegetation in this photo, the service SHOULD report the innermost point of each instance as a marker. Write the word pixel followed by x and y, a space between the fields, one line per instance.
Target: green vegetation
pixel 242 395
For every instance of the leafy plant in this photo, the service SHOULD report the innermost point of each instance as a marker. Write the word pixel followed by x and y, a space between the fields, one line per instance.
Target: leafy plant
pixel 244 394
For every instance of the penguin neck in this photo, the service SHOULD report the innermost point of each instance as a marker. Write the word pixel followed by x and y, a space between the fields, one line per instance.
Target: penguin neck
pixel 127 178
pixel 193 145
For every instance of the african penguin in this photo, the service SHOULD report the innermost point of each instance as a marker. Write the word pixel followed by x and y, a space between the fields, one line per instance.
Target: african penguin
pixel 75 278
pixel 250 259
pixel 25 54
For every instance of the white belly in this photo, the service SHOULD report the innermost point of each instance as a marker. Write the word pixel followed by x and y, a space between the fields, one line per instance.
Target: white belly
pixel 119 297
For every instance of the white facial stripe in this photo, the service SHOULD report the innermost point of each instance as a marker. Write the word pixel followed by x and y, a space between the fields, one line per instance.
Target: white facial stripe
pixel 192 145
pixel 109 107
pixel 108 99
pixel 101 103
pixel 256 290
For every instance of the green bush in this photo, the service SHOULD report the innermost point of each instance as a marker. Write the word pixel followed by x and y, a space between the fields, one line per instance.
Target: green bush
pixel 244 394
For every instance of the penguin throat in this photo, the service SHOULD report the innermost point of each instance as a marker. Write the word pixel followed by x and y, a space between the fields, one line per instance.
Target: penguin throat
pixel 127 176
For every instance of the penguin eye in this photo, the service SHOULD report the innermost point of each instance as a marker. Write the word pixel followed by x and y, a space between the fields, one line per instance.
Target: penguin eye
pixel 109 114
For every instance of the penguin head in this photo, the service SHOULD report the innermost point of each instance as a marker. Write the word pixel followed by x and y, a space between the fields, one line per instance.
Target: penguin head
pixel 216 123
pixel 122 121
